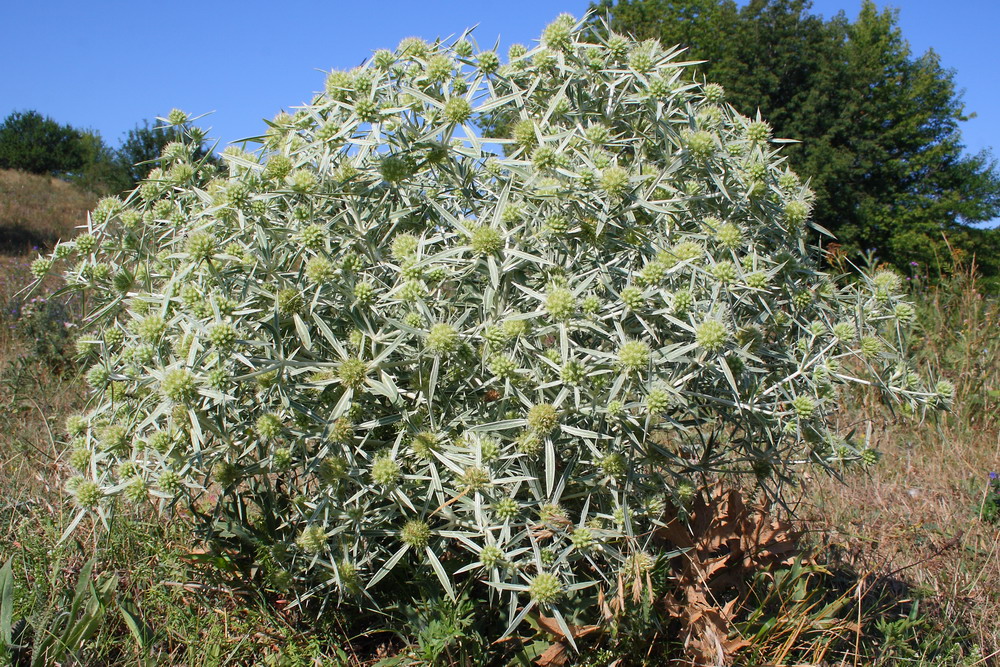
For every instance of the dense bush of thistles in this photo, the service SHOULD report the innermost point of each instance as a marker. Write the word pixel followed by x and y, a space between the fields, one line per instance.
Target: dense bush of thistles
pixel 476 318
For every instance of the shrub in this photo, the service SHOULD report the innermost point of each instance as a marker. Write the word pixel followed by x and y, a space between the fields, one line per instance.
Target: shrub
pixel 383 343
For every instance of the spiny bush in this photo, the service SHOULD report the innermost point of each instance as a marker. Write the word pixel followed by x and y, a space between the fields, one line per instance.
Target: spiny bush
pixel 473 320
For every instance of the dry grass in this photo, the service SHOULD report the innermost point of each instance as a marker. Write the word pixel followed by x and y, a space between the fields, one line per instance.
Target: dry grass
pixel 913 521
pixel 37 211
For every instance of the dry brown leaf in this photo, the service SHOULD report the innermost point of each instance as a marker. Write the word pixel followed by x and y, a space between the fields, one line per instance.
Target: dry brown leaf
pixel 725 542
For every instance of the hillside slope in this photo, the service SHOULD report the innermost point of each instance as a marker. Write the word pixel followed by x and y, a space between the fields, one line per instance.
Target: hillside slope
pixel 37 211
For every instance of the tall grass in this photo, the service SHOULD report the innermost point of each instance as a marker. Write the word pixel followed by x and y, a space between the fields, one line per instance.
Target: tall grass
pixel 914 521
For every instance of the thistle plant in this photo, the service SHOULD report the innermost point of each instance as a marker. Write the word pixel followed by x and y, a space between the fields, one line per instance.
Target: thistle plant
pixel 384 341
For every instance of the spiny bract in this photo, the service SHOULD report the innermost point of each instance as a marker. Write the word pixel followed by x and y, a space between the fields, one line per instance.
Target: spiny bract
pixel 402 288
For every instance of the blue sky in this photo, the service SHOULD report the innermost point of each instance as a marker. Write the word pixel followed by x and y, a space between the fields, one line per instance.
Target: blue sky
pixel 105 65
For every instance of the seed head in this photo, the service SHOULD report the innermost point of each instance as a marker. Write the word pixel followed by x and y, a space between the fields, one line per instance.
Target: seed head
pixel 415 533
pixel 312 539
pixel 712 335
pixel 179 386
pixel 560 304
pixel 545 589
pixel 491 556
pixel 268 426
pixel 804 406
pixel 386 472
pixel 457 110
pixel 543 418
pixel 442 339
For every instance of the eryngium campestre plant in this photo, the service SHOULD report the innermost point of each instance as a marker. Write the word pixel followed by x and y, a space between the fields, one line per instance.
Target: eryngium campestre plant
pixel 474 318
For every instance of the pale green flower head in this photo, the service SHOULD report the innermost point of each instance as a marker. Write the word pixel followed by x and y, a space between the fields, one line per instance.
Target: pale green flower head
pixel 545 589
pixel 712 335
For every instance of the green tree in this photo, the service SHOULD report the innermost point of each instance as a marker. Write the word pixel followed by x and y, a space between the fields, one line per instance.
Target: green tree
pixel 102 171
pixel 39 145
pixel 880 128
pixel 142 148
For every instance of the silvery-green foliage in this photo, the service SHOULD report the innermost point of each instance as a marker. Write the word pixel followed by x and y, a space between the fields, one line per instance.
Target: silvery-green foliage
pixel 481 318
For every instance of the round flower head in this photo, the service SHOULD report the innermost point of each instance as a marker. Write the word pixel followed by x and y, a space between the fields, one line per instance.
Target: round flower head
pixel 425 443
pixel 633 355
pixel 558 35
pixel 758 132
pixel 657 401
pixel 524 134
pixel 887 281
pixel 803 406
pixel 491 556
pixel 614 181
pixel 502 366
pixel 714 93
pixel 545 589
pixel 729 235
pixel 712 335
pixel 573 373
pixel 222 336
pixel 88 493
pixel 395 168
pixel 364 293
pixel 700 144
pixel 179 386
pixel 475 478
pixel 442 339
pixel 320 270
pixel 545 158
pixel 543 418
pixel 386 472
pixel 529 443
pixel 136 491
pixel 945 390
pixel 871 347
pixel 582 538
pixel 488 61
pixel 724 272
pixel 485 240
pixel 613 465
pixel 506 509
pixel 457 110
pixel 416 534
pixel 170 482
pixel 312 539
pixel 796 212
pixel 352 373
pixel 268 426
pixel 560 303
pixel 177 117
pixel 201 246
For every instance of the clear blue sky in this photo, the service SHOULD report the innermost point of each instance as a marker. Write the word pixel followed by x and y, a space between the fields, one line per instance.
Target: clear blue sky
pixel 105 65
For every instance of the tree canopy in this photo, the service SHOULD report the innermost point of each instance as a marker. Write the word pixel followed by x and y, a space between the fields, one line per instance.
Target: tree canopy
pixel 38 144
pixel 879 126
